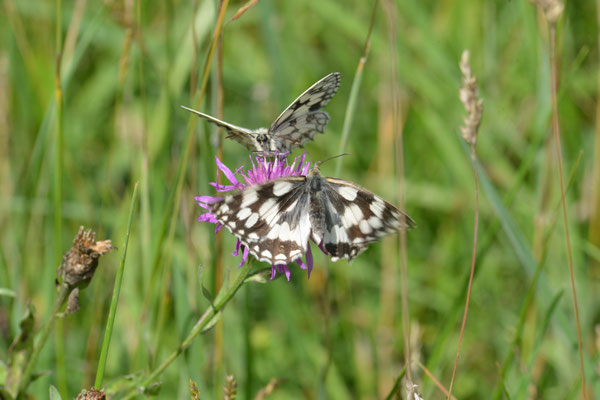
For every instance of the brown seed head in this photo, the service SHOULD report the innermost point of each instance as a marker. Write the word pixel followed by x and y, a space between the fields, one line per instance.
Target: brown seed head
pixel 80 262
pixel 92 394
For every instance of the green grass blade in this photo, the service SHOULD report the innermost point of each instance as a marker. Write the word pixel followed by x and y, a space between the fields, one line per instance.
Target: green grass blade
pixel 115 299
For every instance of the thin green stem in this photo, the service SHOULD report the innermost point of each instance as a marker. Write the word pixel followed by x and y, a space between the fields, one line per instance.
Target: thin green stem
pixel 171 215
pixel 472 272
pixel 221 300
pixel 218 353
pixel 352 101
pixel 58 160
pixel 63 293
pixel 115 298
pixel 556 131
pixel 498 391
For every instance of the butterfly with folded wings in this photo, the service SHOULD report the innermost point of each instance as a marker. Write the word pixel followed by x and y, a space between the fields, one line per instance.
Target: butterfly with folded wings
pixel 297 125
pixel 275 220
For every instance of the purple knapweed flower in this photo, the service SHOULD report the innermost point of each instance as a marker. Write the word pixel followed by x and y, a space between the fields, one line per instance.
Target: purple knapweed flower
pixel 263 170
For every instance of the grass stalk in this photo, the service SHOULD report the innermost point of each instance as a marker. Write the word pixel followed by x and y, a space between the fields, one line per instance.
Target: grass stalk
pixel 391 12
pixel 219 239
pixel 556 133
pixel 498 391
pixel 472 271
pixel 115 298
pixel 594 226
pixel 224 296
pixel 436 381
pixel 145 217
pixel 169 221
pixel 469 96
pixel 58 172
pixel 352 100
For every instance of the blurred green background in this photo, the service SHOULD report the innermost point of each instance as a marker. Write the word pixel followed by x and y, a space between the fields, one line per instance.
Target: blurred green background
pixel 127 66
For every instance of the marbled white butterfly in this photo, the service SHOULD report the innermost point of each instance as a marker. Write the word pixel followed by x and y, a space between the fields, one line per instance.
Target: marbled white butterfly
pixel 276 219
pixel 297 125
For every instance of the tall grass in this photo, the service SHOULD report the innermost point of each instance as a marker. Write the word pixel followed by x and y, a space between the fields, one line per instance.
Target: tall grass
pixel 126 69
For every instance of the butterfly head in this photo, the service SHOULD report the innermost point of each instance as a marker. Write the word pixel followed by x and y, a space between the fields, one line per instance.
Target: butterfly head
pixel 315 170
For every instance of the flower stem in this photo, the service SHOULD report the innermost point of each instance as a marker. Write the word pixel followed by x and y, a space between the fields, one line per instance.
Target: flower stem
pixel 63 293
pixel 221 300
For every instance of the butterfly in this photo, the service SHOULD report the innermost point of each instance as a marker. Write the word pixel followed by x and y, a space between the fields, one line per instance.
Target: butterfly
pixel 297 125
pixel 275 220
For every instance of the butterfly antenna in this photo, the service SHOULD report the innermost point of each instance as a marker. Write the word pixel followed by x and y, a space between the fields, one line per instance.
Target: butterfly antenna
pixel 334 157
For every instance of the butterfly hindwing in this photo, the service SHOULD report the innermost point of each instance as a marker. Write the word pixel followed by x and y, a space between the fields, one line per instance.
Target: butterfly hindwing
pixel 357 218
pixel 298 131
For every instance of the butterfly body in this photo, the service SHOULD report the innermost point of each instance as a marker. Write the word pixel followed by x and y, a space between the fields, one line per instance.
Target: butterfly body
pixel 275 220
pixel 297 125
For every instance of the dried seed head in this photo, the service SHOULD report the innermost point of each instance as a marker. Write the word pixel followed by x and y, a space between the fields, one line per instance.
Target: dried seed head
pixel 230 389
pixel 552 9
pixel 469 96
pixel 73 304
pixel 194 391
pixel 80 262
pixel 269 389
pixel 92 394
pixel 412 392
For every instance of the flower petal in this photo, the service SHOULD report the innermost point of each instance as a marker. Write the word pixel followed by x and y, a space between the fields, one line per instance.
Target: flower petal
pixel 208 199
pixel 284 269
pixel 223 188
pixel 237 248
pixel 230 175
pixel 244 257
pixel 309 260
pixel 205 201
pixel 208 217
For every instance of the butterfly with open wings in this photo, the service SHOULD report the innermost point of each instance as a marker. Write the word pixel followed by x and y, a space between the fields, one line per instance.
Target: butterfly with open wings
pixel 297 125
pixel 275 220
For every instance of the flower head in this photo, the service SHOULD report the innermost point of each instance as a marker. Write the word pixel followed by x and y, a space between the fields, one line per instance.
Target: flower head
pixel 263 169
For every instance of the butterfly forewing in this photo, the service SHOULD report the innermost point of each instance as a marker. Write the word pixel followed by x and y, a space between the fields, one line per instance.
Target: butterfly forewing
pixel 313 99
pixel 245 137
pixel 297 125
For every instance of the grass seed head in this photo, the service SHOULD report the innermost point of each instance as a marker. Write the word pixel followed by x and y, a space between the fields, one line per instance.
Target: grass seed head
pixel 469 95
pixel 230 389
pixel 552 9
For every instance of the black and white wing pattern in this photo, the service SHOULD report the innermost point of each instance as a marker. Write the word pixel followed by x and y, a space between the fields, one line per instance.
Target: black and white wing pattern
pixel 297 125
pixel 275 220
pixel 271 220
pixel 347 217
